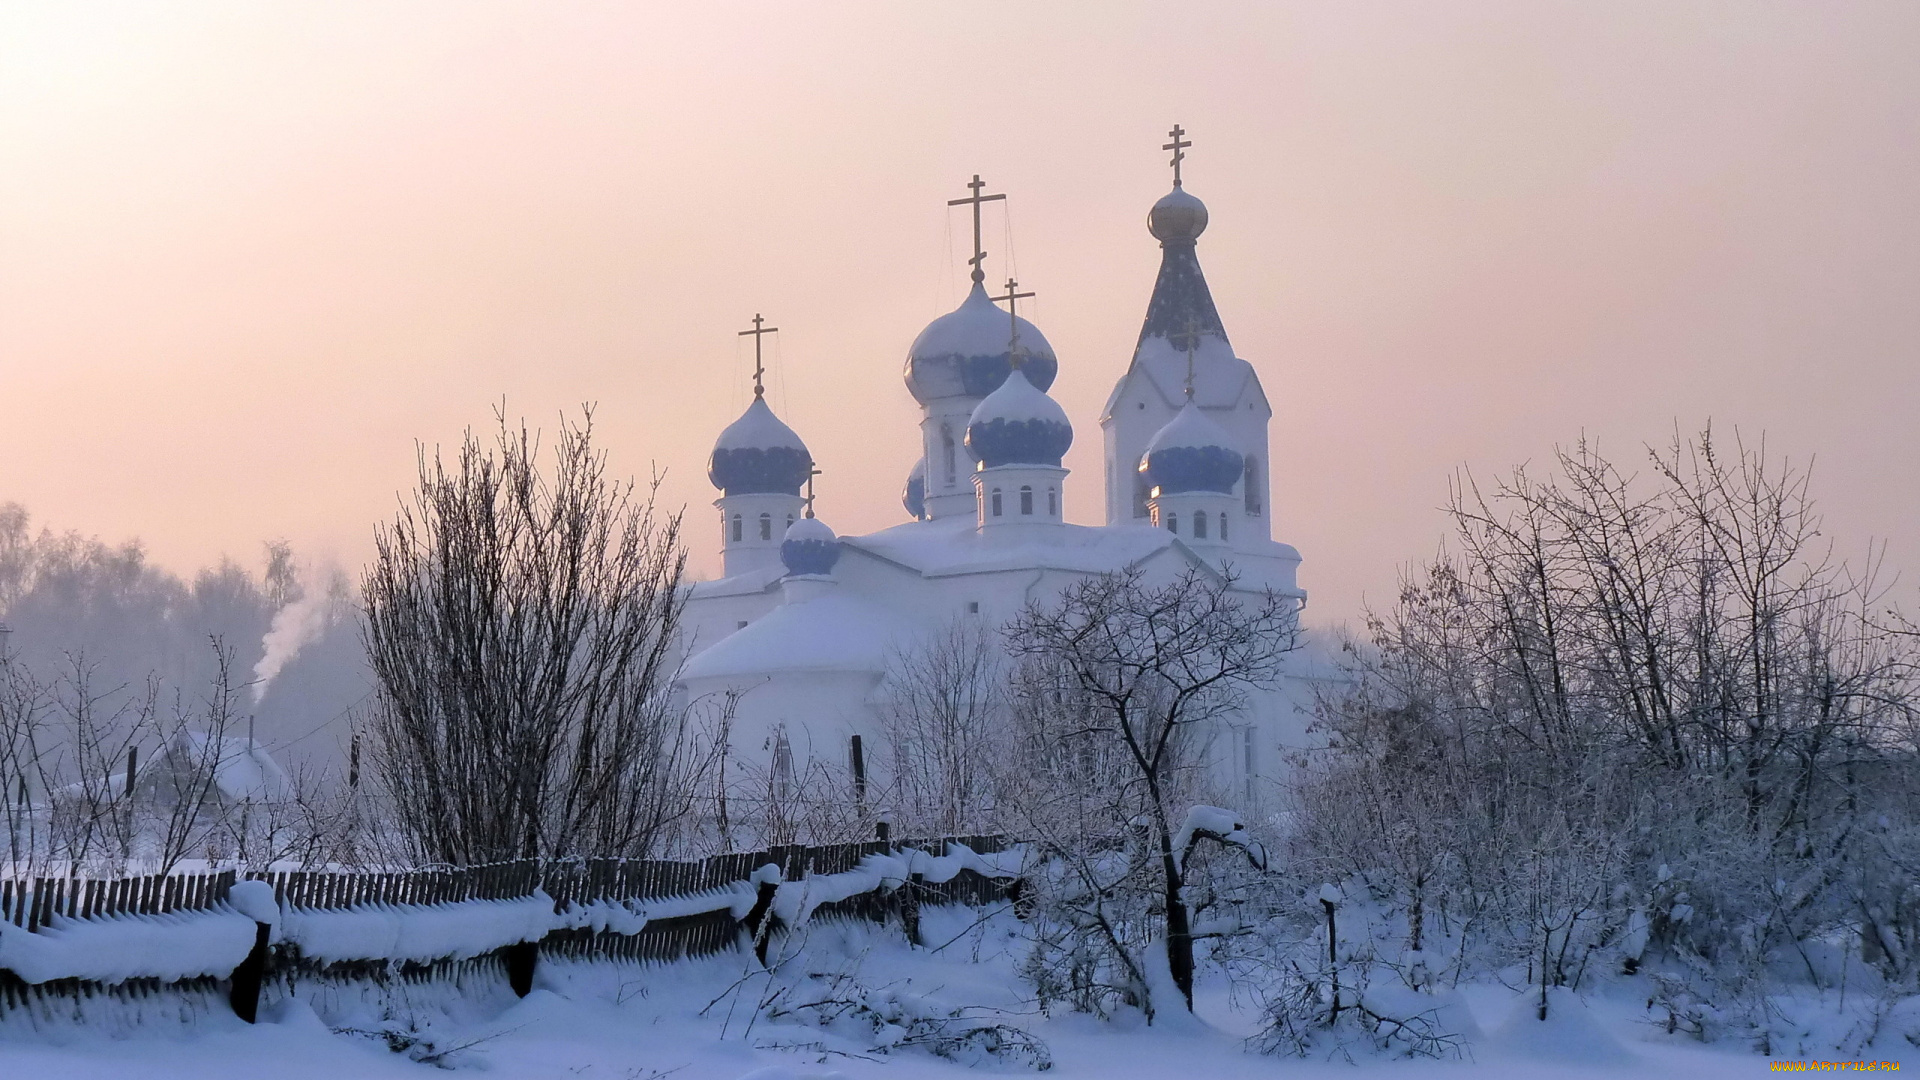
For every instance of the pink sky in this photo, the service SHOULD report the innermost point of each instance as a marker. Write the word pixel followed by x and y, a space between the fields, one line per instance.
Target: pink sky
pixel 250 253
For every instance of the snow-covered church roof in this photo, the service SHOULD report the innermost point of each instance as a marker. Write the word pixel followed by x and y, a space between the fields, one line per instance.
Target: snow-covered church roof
pixel 1018 424
pixel 1180 314
pixel 1192 453
pixel 831 632
pixel 759 454
pixel 965 353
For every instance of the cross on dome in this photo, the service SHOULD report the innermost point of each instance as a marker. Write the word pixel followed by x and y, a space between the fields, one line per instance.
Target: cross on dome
pixel 1178 147
pixel 975 199
pixel 759 370
pixel 1012 298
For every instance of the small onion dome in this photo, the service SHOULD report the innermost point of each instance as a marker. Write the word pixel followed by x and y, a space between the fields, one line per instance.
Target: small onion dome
pixel 1192 453
pixel 757 455
pixel 809 547
pixel 1018 425
pixel 914 497
pixel 964 352
pixel 1177 216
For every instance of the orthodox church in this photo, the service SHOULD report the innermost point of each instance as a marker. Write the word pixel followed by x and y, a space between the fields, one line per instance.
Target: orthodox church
pixel 803 626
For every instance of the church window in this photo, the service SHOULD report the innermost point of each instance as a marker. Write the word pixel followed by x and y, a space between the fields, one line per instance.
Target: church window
pixel 766 526
pixel 946 453
pixel 994 500
pixel 973 607
pixel 789 521
pixel 1252 484
pixel 1173 524
pixel 1053 503
pixel 1223 528
pixel 741 625
pixel 1026 500
pixel 736 526
pixel 1200 526
pixel 1139 495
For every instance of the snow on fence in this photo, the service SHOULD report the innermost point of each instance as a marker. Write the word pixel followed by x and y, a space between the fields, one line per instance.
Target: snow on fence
pixel 337 938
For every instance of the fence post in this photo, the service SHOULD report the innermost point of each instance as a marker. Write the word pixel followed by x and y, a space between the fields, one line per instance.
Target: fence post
pixel 522 957
pixel 245 991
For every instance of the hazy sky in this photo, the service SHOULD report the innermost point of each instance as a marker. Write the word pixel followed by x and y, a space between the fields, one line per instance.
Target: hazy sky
pixel 250 253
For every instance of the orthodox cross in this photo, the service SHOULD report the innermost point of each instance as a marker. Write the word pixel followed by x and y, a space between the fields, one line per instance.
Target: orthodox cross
pixel 812 471
pixel 1177 146
pixel 975 199
pixel 759 371
pixel 1013 297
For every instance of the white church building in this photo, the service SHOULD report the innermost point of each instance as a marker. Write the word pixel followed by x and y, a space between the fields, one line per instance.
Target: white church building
pixel 803 626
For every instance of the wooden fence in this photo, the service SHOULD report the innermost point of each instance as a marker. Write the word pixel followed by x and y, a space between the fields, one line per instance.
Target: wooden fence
pixel 31 904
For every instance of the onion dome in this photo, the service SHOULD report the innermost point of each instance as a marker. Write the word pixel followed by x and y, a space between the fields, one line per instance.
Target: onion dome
pixel 1192 453
pixel 1018 425
pixel 914 497
pixel 809 547
pixel 964 352
pixel 1176 217
pixel 757 454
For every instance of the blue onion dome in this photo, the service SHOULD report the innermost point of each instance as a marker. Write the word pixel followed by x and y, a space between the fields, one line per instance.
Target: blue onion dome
pixel 809 547
pixel 964 352
pixel 1177 217
pixel 1018 425
pixel 757 455
pixel 1192 453
pixel 914 497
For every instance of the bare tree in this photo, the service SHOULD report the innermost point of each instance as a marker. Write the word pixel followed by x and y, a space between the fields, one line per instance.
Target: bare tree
pixel 1141 669
pixel 946 697
pixel 521 624
pixel 1658 698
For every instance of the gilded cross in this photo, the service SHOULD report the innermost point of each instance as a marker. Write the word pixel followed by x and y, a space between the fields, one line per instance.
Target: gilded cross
pixel 1178 147
pixel 975 199
pixel 1012 298
pixel 759 370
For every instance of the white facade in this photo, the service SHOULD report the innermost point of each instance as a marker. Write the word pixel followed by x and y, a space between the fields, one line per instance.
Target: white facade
pixel 808 655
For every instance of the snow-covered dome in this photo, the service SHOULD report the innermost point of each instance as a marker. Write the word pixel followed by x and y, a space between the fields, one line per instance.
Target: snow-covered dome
pixel 1192 453
pixel 1018 425
pixel 964 352
pixel 1177 216
pixel 809 547
pixel 757 454
pixel 914 496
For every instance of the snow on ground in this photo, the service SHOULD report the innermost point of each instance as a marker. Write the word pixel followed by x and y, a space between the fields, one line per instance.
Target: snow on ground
pixel 698 1021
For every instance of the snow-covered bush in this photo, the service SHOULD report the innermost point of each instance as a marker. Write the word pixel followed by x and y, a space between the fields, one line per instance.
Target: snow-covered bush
pixel 1633 728
pixel 890 1019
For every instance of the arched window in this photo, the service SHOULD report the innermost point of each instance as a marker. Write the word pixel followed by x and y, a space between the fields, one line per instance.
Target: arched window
pixel 1223 528
pixel 1140 493
pixel 1173 524
pixel 1053 503
pixel 1251 485
pixel 736 527
pixel 946 454
pixel 789 523
pixel 995 500
pixel 1200 526
pixel 1026 499
pixel 766 526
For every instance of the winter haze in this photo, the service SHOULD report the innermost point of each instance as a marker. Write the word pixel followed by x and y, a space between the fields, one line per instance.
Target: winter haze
pixel 250 254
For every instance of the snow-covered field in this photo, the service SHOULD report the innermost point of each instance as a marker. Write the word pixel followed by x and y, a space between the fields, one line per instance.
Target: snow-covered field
pixel 709 1019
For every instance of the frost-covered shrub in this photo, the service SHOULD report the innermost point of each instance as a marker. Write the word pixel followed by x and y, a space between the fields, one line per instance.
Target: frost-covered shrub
pixel 1634 727
pixel 888 1019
